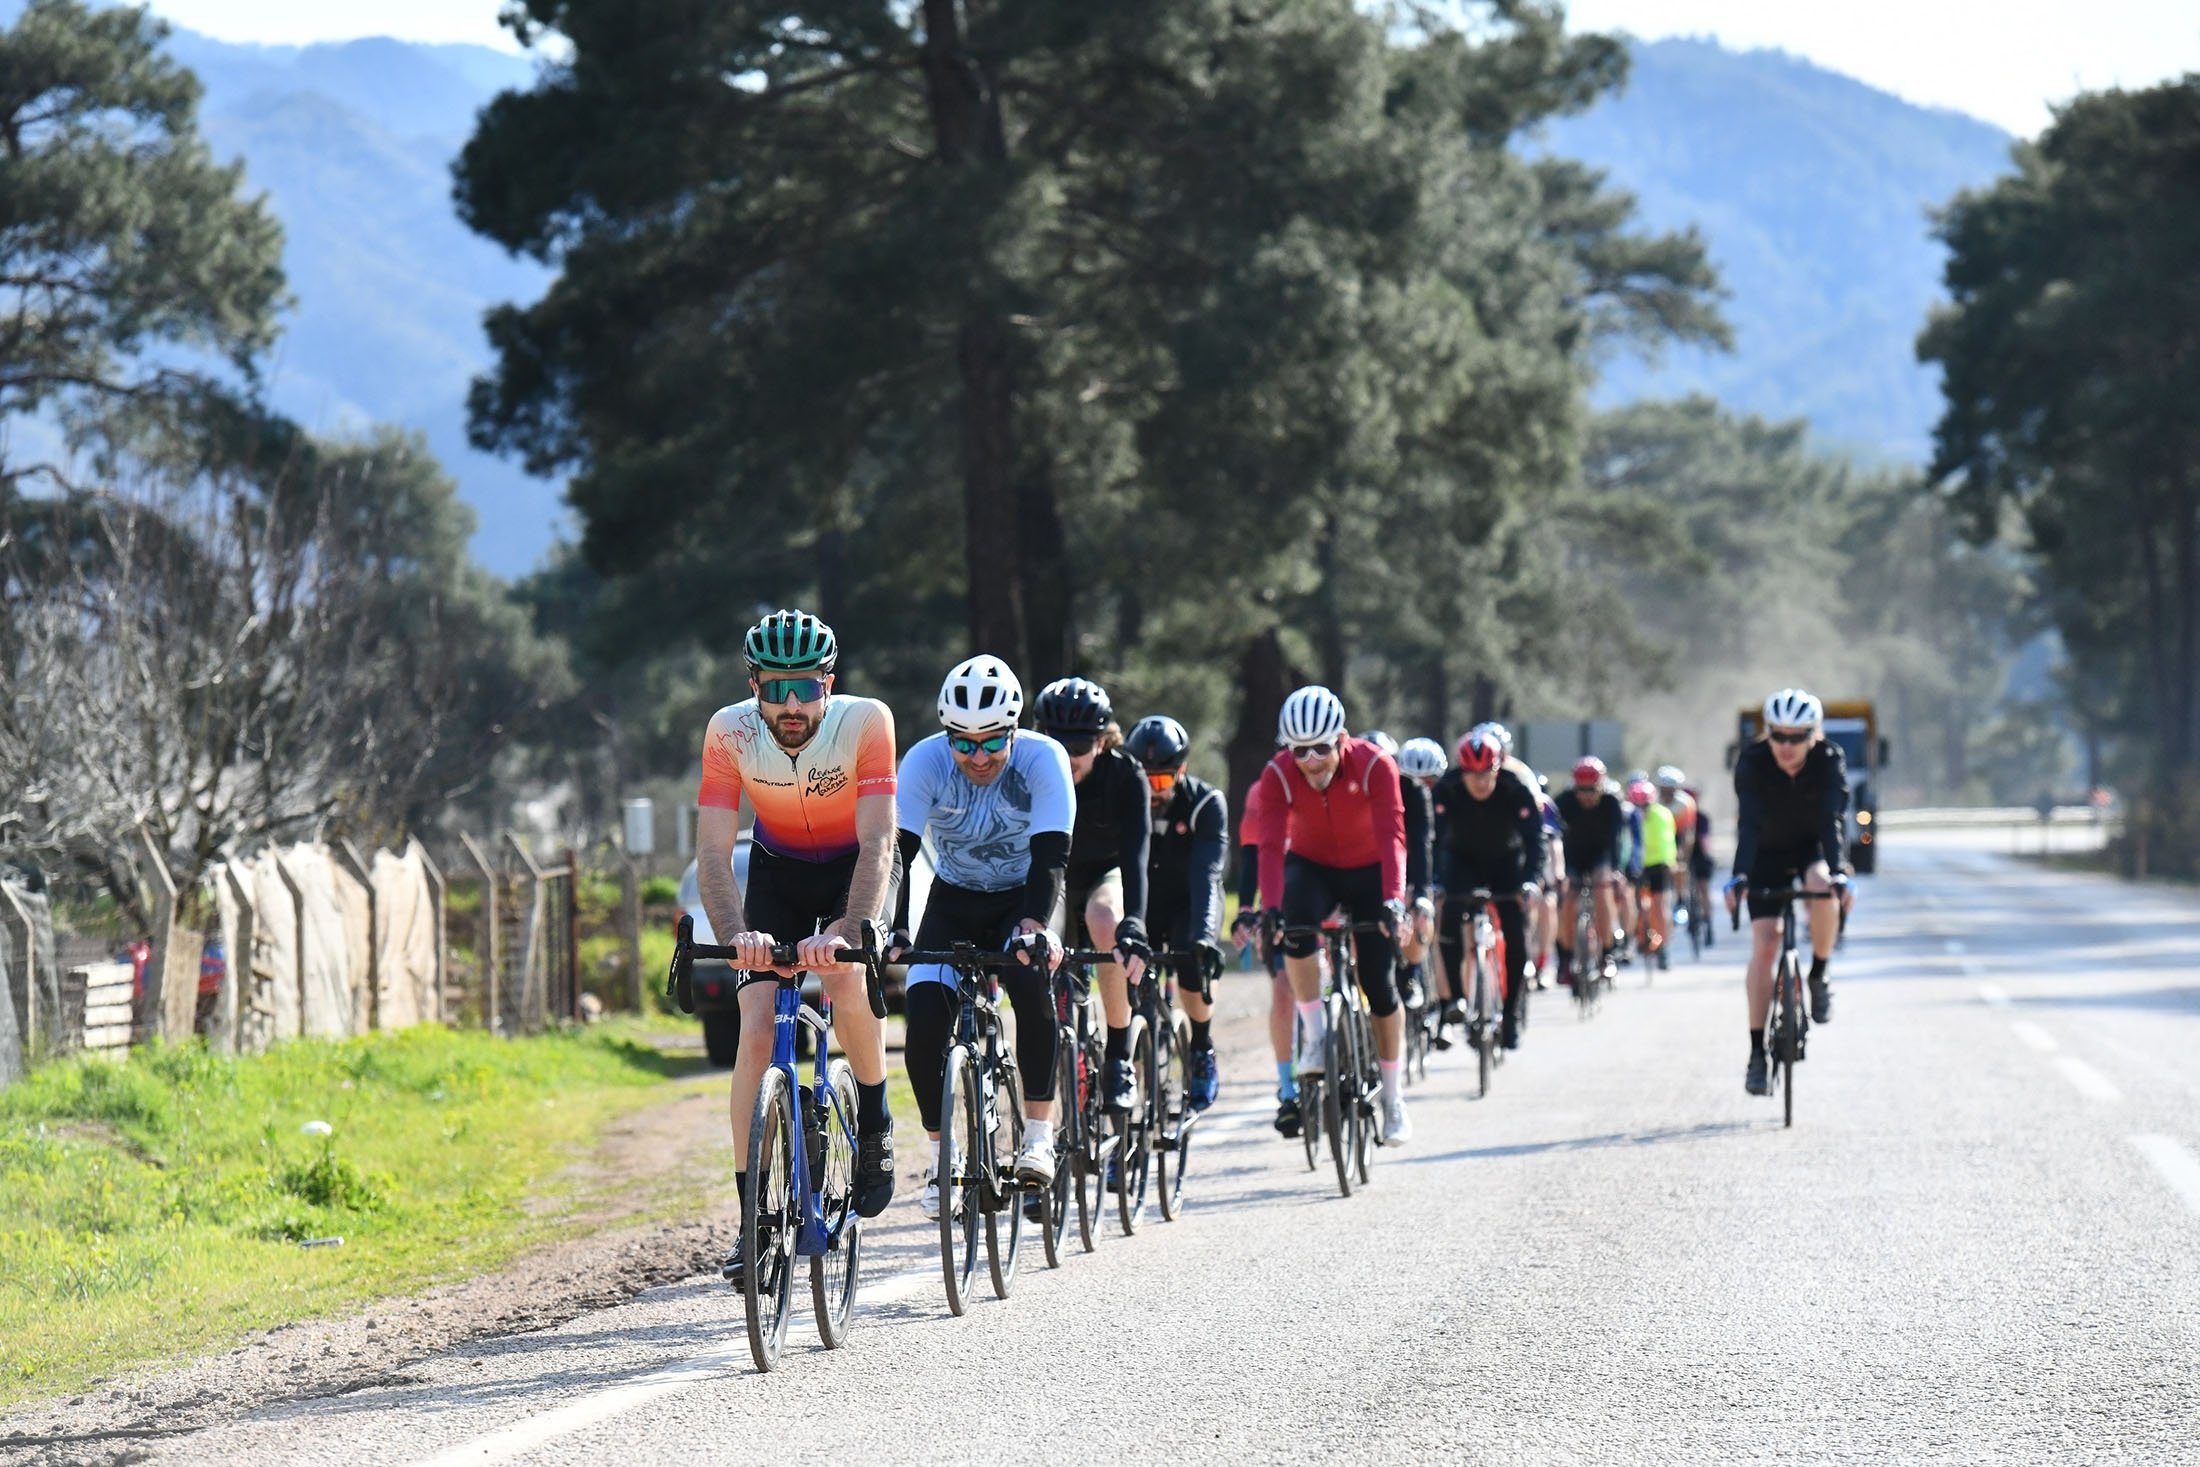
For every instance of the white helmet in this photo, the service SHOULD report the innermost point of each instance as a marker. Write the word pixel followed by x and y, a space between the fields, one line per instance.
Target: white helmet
pixel 1312 715
pixel 1497 731
pixel 1421 759
pixel 1670 777
pixel 1382 741
pixel 981 696
pixel 1793 708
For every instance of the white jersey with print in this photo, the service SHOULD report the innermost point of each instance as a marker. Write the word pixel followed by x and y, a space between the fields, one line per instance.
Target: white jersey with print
pixel 980 835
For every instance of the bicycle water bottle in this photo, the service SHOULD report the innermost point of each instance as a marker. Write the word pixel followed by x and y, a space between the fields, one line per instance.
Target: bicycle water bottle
pixel 813 1134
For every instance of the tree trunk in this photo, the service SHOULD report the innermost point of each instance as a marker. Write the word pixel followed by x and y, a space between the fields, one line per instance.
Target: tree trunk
pixel 1327 607
pixel 1483 699
pixel 832 576
pixel 966 127
pixel 1049 592
pixel 2157 639
pixel 1436 712
pixel 1265 679
pixel 2184 750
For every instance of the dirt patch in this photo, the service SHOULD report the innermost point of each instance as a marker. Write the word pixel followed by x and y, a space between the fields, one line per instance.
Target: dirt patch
pixel 650 1155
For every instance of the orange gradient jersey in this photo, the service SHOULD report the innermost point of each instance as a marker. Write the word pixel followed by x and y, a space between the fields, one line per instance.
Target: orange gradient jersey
pixel 805 800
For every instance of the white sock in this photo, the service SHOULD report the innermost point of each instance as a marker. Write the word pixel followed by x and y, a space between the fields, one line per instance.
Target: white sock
pixel 1310 1016
pixel 1393 1078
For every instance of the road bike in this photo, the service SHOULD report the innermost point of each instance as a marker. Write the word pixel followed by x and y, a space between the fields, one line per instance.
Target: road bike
pixel 1592 973
pixel 1483 950
pixel 981 1126
pixel 1343 1098
pixel 1161 1058
pixel 801 1197
pixel 1083 1136
pixel 1424 1013
pixel 1787 1022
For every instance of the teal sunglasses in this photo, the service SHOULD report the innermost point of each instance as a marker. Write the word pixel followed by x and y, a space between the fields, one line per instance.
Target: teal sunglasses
pixel 967 747
pixel 777 690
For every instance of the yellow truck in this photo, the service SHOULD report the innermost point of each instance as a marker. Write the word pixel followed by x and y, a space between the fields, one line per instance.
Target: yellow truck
pixel 1854 725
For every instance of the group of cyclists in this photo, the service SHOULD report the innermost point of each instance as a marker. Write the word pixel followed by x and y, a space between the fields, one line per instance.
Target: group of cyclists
pixel 1072 831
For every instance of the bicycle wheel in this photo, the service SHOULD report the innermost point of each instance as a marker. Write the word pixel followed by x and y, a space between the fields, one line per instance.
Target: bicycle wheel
pixel 1485 1022
pixel 834 1273
pixel 1093 1142
pixel 1340 1107
pixel 769 1219
pixel 1370 1087
pixel 1134 1139
pixel 1588 960
pixel 1055 1203
pixel 1004 1203
pixel 1176 1133
pixel 962 1153
pixel 1310 1106
pixel 1791 1014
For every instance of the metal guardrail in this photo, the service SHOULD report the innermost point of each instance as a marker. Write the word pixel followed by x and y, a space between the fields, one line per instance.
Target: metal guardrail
pixel 1997 815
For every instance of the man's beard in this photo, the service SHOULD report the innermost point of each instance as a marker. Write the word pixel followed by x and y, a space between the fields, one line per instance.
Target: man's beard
pixel 809 731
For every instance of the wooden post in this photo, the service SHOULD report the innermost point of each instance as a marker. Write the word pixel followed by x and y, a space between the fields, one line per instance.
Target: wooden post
pixel 572 962
pixel 488 954
pixel 439 899
pixel 533 1000
pixel 239 989
pixel 348 857
pixel 630 910
pixel 170 1003
pixel 26 1014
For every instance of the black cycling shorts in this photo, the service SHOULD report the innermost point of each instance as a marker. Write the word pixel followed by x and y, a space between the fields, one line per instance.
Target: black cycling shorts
pixel 1658 879
pixel 1588 860
pixel 1077 888
pixel 1311 891
pixel 1777 868
pixel 791 899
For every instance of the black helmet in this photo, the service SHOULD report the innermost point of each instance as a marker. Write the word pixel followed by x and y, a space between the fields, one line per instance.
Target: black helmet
pixel 1072 705
pixel 1159 743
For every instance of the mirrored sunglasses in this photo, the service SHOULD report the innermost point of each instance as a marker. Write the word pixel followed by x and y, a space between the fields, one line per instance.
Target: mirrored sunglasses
pixel 801 689
pixel 991 745
pixel 1791 736
pixel 1304 752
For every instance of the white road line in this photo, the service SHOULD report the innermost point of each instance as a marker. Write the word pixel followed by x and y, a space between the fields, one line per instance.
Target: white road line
pixel 578 1415
pixel 1953 945
pixel 1973 967
pixel 1994 994
pixel 2175 1164
pixel 2032 1034
pixel 2091 1083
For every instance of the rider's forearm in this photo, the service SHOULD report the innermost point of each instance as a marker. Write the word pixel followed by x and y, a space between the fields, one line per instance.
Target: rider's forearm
pixel 874 857
pixel 1043 879
pixel 911 843
pixel 720 892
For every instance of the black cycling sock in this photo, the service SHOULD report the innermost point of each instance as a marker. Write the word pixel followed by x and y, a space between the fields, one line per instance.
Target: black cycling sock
pixel 1119 1043
pixel 871 1112
pixel 1756 1043
pixel 1203 1034
pixel 1817 969
pixel 741 1186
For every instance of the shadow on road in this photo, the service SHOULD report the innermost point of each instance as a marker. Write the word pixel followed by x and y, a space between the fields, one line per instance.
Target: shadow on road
pixel 1659 1137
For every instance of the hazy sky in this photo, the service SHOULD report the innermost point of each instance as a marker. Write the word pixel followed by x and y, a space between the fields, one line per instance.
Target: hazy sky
pixel 2003 60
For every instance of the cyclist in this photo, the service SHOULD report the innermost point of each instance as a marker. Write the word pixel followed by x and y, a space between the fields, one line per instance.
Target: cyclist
pixel 1191 828
pixel 818 768
pixel 1246 931
pixel 1673 793
pixel 1333 834
pixel 1420 764
pixel 1544 929
pixel 1700 864
pixel 1629 877
pixel 1792 786
pixel 1590 827
pixel 1106 895
pixel 998 805
pixel 1489 834
pixel 1659 855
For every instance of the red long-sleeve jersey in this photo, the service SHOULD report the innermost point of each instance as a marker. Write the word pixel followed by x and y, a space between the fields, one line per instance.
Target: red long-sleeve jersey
pixel 1358 821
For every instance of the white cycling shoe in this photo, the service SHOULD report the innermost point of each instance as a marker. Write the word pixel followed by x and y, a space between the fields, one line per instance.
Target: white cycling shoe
pixel 1035 1158
pixel 1310 1062
pixel 928 1196
pixel 1397 1125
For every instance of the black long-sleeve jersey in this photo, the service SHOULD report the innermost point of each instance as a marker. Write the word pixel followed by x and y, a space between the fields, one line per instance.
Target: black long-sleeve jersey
pixel 1190 843
pixel 1783 812
pixel 1420 830
pixel 1112 830
pixel 1497 840
pixel 1591 834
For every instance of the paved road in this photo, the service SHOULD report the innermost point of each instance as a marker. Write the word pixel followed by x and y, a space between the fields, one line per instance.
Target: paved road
pixel 1981 1240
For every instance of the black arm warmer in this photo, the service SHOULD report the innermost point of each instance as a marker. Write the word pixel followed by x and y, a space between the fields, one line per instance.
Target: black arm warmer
pixel 911 843
pixel 1746 815
pixel 1248 877
pixel 1831 836
pixel 1210 849
pixel 1043 882
pixel 1134 818
pixel 1529 823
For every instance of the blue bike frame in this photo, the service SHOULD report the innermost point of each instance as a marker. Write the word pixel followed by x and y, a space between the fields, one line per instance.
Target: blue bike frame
pixel 814 1239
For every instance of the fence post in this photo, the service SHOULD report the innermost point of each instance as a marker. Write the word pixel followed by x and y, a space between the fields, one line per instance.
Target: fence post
pixel 438 898
pixel 533 1000
pixel 491 956
pixel 241 988
pixel 170 1004
pixel 572 961
pixel 630 911
pixel 25 955
pixel 347 856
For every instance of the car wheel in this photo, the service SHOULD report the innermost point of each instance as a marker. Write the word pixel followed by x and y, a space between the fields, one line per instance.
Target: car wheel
pixel 722 1036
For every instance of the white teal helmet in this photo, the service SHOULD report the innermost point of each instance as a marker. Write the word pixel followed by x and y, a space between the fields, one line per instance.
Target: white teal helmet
pixel 982 695
pixel 1421 759
pixel 1312 715
pixel 1382 741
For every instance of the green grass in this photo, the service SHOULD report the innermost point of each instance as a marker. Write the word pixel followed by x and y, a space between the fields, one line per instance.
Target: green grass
pixel 155 1208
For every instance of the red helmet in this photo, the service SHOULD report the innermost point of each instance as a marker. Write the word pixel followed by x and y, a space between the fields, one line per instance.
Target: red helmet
pixel 1589 771
pixel 1638 793
pixel 1479 753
